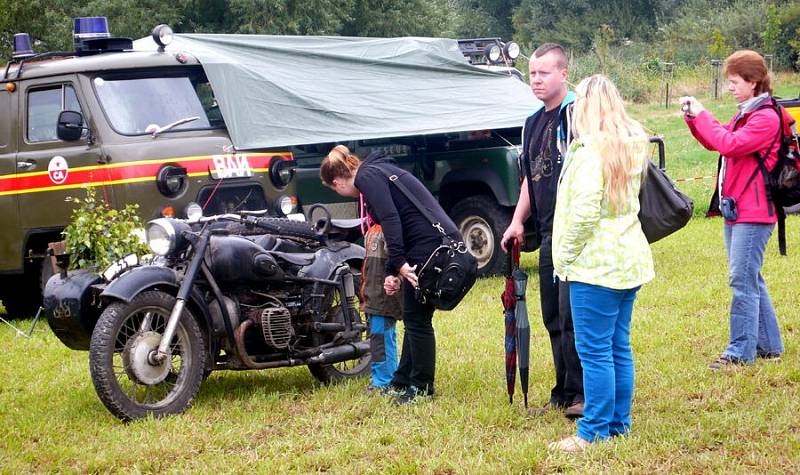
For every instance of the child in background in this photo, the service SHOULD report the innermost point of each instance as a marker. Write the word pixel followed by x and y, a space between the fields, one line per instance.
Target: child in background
pixel 382 310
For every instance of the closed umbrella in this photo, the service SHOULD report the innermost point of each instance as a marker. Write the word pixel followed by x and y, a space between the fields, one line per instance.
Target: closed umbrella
pixel 523 329
pixel 509 305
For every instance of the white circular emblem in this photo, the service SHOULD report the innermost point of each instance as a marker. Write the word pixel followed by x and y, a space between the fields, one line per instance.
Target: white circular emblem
pixel 58 169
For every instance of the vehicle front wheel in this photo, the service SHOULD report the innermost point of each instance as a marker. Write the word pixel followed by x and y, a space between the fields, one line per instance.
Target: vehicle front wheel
pixel 482 222
pixel 128 383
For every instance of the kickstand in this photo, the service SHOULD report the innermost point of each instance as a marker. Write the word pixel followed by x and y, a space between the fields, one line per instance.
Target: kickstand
pixel 33 325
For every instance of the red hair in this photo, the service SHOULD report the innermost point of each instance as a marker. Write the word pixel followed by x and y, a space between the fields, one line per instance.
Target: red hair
pixel 751 67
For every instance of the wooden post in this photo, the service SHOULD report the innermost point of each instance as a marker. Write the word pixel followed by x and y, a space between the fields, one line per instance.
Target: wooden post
pixel 716 64
pixel 667 73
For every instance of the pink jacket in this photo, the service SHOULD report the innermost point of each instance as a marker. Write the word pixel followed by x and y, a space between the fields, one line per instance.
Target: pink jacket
pixel 737 141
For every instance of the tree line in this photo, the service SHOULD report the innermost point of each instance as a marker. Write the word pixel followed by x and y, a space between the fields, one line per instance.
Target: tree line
pixel 687 31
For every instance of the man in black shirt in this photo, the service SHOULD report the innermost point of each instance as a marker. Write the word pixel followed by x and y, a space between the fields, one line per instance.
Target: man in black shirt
pixel 546 136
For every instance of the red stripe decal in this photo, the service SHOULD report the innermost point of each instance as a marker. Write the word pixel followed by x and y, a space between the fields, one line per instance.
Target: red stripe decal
pixel 29 182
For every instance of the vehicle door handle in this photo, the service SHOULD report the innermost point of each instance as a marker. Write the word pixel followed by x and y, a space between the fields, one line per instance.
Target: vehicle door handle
pixel 25 164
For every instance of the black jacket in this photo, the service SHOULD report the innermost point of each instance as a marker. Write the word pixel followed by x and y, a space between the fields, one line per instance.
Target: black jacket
pixel 410 237
pixel 543 192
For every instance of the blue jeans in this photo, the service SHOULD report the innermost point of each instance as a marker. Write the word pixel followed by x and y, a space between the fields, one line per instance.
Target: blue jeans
pixel 754 326
pixel 602 321
pixel 383 347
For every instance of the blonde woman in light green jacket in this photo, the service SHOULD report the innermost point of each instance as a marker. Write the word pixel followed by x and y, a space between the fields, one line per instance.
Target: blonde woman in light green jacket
pixel 600 250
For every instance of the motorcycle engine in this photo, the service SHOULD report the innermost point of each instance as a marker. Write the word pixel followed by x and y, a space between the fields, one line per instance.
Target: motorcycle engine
pixel 276 325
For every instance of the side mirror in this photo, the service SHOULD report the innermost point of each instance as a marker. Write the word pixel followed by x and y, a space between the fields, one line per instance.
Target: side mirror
pixel 70 126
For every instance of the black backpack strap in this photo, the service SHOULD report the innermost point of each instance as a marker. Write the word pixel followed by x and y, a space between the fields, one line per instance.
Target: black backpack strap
pixel 768 178
pixel 762 161
pixel 394 178
pixel 781 231
pixel 526 166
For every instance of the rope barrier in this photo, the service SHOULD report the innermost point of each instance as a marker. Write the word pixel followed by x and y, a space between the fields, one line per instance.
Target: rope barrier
pixel 695 178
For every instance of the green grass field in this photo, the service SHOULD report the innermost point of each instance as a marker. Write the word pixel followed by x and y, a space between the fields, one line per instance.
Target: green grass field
pixel 687 419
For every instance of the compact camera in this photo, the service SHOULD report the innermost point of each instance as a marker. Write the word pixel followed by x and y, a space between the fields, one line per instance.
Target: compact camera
pixel 727 206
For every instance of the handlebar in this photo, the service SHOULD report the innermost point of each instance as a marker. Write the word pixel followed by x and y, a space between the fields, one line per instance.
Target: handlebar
pixel 269 224
pixel 239 217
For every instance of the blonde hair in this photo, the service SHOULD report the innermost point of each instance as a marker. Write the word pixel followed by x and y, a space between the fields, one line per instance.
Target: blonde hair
pixel 340 163
pixel 599 116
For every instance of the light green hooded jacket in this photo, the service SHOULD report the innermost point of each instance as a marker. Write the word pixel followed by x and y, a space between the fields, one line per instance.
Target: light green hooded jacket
pixel 591 243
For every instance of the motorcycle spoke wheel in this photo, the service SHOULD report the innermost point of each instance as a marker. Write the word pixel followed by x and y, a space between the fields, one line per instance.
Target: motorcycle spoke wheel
pixel 128 384
pixel 355 368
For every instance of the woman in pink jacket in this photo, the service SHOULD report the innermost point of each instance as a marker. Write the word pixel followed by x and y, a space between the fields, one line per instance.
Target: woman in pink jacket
pixel 752 134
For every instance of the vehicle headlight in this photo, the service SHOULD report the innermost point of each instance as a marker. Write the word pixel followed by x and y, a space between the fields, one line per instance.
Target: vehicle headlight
pixel 162 35
pixel 171 180
pixel 282 171
pixel 165 236
pixel 493 53
pixel 194 212
pixel 286 204
pixel 512 50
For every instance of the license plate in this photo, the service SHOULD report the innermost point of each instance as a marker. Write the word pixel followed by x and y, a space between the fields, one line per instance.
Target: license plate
pixel 231 166
pixel 116 268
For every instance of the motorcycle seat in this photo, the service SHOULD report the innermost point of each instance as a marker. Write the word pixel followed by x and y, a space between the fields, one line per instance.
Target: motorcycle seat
pixel 298 259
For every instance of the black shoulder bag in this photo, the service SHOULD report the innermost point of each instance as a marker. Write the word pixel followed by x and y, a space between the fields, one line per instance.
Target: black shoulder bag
pixel 663 208
pixel 450 271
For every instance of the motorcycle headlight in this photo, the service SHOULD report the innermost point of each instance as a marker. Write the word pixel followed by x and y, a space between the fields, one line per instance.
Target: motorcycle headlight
pixel 165 236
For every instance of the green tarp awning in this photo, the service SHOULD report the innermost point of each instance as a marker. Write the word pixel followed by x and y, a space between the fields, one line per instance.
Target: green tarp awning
pixel 276 91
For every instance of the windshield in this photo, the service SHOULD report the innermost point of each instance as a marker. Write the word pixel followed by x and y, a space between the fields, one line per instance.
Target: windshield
pixel 140 105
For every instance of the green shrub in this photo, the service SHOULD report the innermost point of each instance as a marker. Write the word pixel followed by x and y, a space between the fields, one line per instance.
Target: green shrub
pixel 99 235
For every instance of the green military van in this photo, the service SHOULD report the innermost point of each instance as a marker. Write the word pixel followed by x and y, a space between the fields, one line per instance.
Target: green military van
pixel 140 127
pixel 474 175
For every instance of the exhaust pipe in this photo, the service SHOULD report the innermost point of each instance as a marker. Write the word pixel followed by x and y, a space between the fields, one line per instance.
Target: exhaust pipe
pixel 337 354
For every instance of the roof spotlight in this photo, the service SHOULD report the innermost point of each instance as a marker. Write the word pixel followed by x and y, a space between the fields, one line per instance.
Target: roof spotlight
pixel 162 35
pixel 511 50
pixel 493 53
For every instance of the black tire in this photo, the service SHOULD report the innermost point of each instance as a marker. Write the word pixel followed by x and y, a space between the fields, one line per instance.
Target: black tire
pixel 482 222
pixel 358 368
pixel 113 358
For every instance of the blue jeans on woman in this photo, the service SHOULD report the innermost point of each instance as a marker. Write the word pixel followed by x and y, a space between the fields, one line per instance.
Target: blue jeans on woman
pixel 602 320
pixel 754 326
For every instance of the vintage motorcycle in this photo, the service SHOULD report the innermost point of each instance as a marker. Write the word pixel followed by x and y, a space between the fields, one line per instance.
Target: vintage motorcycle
pixel 232 291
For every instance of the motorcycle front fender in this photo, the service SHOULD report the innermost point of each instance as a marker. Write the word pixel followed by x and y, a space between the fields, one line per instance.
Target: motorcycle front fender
pixel 132 283
pixel 329 258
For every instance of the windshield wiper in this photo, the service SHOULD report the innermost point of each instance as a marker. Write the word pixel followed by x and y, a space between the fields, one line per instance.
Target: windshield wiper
pixel 178 122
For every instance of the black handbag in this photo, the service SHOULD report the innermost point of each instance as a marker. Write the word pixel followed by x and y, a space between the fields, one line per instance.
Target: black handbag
pixel 450 271
pixel 663 208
